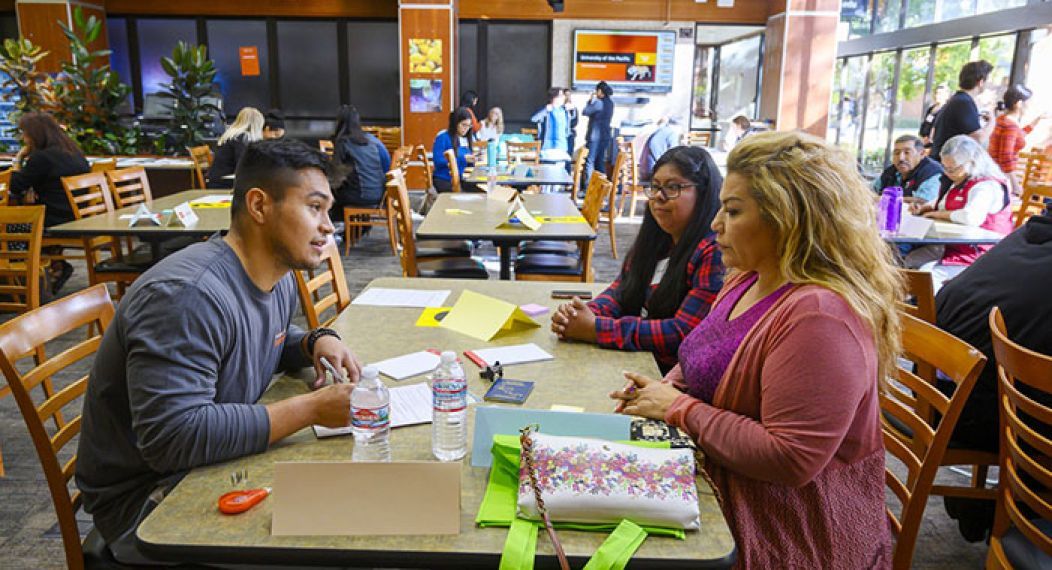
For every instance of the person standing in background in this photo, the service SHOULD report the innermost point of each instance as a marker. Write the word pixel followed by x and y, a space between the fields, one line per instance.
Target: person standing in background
pixel 468 100
pixel 960 115
pixel 572 113
pixel 1008 138
pixel 942 93
pixel 553 123
pixel 599 110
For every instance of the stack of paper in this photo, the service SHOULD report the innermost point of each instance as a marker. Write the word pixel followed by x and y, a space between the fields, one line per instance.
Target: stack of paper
pixel 383 297
pixel 402 367
pixel 515 354
pixel 410 405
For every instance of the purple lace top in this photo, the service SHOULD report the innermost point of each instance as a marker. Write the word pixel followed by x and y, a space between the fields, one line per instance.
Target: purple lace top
pixel 707 351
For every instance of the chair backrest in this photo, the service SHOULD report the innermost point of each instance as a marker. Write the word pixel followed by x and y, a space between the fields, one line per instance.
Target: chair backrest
pixel 908 401
pixel 326 146
pixel 620 175
pixel 26 335
pixel 391 137
pixel 202 159
pixel 130 186
pixel 598 190
pixel 524 151
pixel 1035 195
pixel 1037 167
pixel 21 231
pixel 104 164
pixel 5 186
pixel 88 194
pixel 528 131
pixel 1025 393
pixel 699 138
pixel 630 175
pixel 580 156
pixel 920 290
pixel 481 151
pixel 398 202
pixel 421 156
pixel 331 274
pixel 454 171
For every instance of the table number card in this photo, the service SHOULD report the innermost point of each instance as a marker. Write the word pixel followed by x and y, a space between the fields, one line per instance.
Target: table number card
pixel 184 216
pixel 144 217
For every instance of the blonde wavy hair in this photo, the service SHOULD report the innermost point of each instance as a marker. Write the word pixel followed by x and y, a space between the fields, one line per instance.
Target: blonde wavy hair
pixel 249 122
pixel 824 217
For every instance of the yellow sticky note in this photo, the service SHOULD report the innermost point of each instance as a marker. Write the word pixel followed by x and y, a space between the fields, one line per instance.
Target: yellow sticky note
pixel 432 316
pixel 484 317
pixel 562 408
pixel 524 217
pixel 562 220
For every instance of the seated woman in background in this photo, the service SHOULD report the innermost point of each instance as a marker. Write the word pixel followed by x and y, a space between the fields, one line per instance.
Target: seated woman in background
pixel 492 126
pixel 457 136
pixel 47 154
pixel 247 129
pixel 779 384
pixel 671 275
pixel 977 195
pixel 367 159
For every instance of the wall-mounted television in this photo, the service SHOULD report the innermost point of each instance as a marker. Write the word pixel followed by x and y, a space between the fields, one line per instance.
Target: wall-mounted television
pixel 634 60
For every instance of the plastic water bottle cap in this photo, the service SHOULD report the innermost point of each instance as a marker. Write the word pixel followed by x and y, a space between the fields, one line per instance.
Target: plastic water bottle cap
pixel 370 373
pixel 448 356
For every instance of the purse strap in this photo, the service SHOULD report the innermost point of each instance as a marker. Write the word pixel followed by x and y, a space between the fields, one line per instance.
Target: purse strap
pixel 531 472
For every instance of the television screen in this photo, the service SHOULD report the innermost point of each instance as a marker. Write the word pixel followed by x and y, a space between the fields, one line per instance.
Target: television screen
pixel 627 61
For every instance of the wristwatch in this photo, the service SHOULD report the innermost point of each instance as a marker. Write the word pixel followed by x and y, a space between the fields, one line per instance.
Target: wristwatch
pixel 317 333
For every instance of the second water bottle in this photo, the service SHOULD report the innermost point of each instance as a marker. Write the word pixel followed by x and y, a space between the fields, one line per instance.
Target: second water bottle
pixel 449 398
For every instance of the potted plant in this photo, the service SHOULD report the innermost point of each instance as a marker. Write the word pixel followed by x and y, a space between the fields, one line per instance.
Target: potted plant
pixel 192 84
pixel 30 86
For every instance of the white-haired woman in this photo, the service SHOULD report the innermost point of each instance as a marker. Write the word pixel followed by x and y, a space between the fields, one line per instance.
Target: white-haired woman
pixel 247 129
pixel 977 195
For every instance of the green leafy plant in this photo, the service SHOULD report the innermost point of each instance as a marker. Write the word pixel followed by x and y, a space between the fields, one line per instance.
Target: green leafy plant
pixel 30 86
pixel 88 93
pixel 193 80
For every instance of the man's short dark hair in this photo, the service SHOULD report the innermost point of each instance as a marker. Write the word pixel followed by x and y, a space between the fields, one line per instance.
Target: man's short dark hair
pixel 273 166
pixel 917 141
pixel 605 88
pixel 973 72
pixel 274 119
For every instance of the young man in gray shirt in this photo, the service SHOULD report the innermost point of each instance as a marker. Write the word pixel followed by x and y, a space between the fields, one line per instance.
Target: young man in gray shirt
pixel 196 340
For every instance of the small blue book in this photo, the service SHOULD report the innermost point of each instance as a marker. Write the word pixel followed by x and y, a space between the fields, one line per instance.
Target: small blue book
pixel 509 391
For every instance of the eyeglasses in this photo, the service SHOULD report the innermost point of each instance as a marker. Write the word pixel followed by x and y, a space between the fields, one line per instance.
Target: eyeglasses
pixel 667 191
pixel 955 169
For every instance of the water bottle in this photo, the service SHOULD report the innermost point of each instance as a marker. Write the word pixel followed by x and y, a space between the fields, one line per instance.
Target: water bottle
pixel 449 399
pixel 371 418
pixel 491 179
pixel 882 213
pixel 893 213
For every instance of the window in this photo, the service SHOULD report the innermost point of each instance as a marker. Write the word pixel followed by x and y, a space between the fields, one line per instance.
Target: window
pixel 852 76
pixel 919 12
pixel 999 51
pixel 949 58
pixel 878 111
pixel 225 40
pixel 157 39
pixel 372 52
pixel 307 65
pixel 986 6
pixel 909 99
pixel 739 71
pixel 953 9
pixel 887 16
pixel 120 61
pixel 700 111
pixel 855 18
pixel 1039 80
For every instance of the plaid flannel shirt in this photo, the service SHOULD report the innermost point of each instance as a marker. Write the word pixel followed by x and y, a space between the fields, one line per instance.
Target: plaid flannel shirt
pixel 662 336
pixel 1007 140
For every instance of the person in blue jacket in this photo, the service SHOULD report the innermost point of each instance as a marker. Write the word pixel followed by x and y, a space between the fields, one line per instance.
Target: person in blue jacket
pixel 599 110
pixel 367 158
pixel 460 126
pixel 553 122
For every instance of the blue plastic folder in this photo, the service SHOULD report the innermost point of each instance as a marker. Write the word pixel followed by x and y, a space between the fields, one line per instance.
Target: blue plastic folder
pixel 497 420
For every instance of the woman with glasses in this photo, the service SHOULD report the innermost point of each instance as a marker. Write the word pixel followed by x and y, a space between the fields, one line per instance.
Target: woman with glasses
pixel 672 273
pixel 778 386
pixel 974 193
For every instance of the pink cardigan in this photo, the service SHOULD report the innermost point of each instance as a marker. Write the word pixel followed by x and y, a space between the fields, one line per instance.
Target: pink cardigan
pixel 793 438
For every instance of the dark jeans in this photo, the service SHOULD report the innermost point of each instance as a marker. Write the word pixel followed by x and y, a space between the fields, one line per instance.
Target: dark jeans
pixel 442 186
pixel 596 159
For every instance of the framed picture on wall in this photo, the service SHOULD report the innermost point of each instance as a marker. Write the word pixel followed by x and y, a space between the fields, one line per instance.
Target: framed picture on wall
pixel 425 95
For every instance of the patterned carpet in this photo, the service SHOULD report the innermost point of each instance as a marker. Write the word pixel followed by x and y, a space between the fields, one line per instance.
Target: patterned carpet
pixel 28 536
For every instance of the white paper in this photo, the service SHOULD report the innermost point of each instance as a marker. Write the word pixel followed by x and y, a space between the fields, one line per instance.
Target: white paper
pixel 383 297
pixel 214 198
pixel 915 226
pixel 402 367
pixel 465 197
pixel 184 216
pixel 410 405
pixel 515 354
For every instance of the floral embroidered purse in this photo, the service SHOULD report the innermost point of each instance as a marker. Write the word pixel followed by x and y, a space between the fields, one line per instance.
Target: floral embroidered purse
pixel 581 480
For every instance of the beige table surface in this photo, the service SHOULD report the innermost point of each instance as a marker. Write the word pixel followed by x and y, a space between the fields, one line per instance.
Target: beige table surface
pixel 187 526
pixel 487 214
pixel 211 219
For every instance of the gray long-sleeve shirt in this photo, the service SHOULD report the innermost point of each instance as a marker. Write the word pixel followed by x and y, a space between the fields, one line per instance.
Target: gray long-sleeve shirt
pixel 175 382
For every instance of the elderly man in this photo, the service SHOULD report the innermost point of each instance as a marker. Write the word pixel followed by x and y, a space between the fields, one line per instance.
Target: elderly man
pixel 918 175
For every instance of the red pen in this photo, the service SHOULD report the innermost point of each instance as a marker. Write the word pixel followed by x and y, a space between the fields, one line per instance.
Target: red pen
pixel 237 502
pixel 475 358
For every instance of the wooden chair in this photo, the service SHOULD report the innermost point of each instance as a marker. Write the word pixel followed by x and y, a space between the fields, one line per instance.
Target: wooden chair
pixel 26 336
pixel 104 164
pixel 609 213
pixel 420 155
pixel 391 137
pixel 920 290
pixel 326 146
pixel 699 138
pixel 89 195
pixel 629 178
pixel 202 159
pixel 357 218
pixel 412 266
pixel 580 156
pixel 910 433
pixel 525 152
pixel 1024 510
pixel 557 267
pixel 481 151
pixel 1034 201
pixel 528 131
pixel 454 172
pixel 130 186
pixel 1037 167
pixel 5 186
pixel 332 274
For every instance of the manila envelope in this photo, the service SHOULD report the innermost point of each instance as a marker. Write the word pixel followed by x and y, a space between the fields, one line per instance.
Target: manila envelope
pixel 483 317
pixel 341 498
pixel 503 193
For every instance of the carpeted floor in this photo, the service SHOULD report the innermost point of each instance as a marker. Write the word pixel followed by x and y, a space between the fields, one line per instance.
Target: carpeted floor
pixel 28 534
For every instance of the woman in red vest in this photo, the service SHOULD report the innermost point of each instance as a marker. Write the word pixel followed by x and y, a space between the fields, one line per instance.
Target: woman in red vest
pixel 974 193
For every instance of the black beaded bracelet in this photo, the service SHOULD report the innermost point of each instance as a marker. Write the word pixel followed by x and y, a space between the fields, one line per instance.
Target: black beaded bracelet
pixel 317 333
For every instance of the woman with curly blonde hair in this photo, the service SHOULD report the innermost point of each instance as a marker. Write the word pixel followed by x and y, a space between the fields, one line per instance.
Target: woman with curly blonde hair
pixel 779 384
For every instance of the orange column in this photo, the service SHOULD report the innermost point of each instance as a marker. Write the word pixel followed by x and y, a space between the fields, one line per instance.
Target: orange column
pixel 799 58
pixel 427 32
pixel 39 20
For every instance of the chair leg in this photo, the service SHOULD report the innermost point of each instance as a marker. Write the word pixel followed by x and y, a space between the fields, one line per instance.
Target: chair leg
pixel 613 236
pixel 391 236
pixel 635 200
pixel 346 236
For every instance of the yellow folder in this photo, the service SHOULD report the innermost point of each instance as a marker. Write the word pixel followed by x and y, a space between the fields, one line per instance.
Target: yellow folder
pixel 483 317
